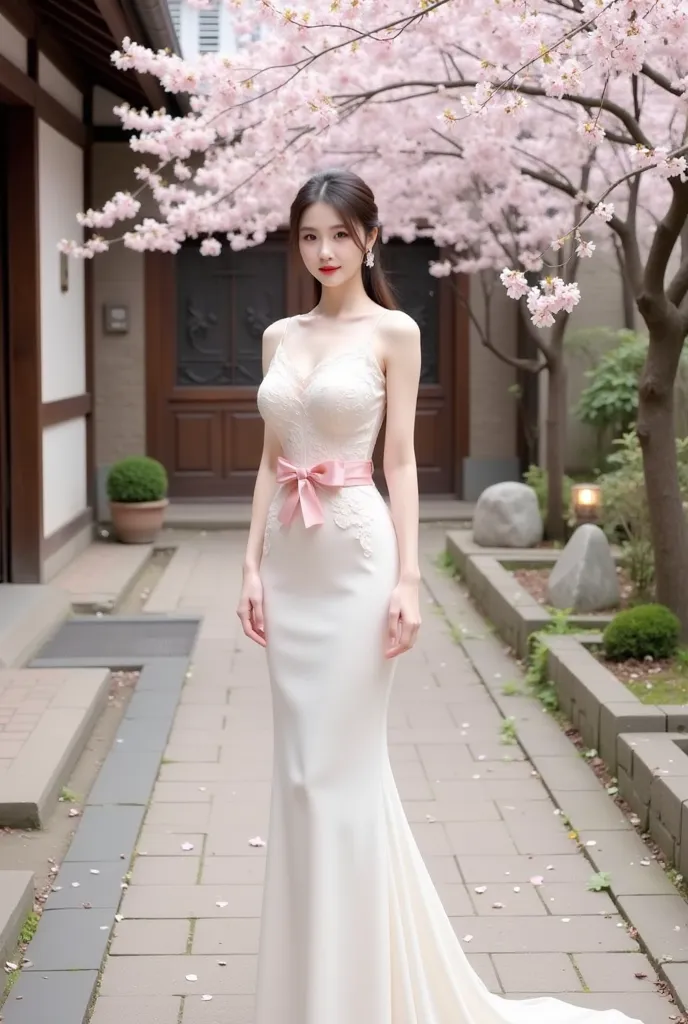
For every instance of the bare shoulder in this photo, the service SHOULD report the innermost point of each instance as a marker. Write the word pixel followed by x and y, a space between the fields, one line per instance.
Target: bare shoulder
pixel 400 340
pixel 399 328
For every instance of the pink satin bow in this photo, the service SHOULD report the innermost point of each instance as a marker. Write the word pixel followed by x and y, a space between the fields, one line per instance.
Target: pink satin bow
pixel 303 483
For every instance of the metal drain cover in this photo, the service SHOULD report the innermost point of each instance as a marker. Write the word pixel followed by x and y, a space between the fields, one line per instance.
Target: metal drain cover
pixel 120 639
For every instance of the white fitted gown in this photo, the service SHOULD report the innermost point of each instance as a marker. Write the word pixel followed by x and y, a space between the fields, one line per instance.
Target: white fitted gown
pixel 353 930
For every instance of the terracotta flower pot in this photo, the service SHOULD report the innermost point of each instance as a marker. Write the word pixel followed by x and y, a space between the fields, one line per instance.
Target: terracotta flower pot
pixel 137 522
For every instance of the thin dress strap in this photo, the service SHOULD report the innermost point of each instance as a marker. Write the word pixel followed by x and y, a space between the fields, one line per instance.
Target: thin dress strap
pixel 284 332
pixel 377 322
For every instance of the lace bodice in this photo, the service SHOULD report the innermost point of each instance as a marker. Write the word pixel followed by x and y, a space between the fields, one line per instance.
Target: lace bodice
pixel 333 412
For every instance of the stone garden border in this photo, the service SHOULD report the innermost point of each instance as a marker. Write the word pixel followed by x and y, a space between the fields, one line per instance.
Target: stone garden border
pixel 653 780
pixel 598 705
pixel 508 606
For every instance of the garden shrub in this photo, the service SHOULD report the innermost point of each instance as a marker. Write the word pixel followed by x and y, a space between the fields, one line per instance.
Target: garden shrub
pixel 646 631
pixel 137 478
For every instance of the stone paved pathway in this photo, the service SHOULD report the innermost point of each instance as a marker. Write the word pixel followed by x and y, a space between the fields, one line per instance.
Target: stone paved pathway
pixel 192 909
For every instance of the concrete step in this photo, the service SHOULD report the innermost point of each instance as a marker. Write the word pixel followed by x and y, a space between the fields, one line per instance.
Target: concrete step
pixel 57 709
pixel 29 615
pixel 16 903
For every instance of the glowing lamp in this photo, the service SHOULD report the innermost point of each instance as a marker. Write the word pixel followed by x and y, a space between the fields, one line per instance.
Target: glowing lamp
pixel 586 500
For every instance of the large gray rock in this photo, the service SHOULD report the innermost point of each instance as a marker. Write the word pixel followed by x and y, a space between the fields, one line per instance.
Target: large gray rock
pixel 584 577
pixel 507 516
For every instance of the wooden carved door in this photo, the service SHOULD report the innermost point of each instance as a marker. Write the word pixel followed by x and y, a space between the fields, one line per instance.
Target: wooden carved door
pixel 205 321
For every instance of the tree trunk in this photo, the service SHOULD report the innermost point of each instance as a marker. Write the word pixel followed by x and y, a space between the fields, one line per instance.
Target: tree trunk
pixel 556 437
pixel 668 526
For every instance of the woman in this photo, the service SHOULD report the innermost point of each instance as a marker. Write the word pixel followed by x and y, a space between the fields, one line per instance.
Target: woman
pixel 353 930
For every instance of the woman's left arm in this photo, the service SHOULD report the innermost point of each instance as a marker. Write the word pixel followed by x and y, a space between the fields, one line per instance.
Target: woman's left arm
pixel 401 338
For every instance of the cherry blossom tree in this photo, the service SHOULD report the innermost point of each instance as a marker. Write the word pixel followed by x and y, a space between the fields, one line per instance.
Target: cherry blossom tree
pixel 518 135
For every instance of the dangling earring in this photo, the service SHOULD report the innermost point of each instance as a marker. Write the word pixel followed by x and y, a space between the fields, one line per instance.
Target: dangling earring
pixel 370 258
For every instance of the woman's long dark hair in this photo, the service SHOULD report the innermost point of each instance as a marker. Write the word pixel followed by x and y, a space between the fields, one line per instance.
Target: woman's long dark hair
pixel 355 203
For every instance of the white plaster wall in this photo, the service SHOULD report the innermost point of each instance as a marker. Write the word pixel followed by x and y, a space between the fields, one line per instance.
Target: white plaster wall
pixel 601 305
pixel 59 86
pixel 61 196
pixel 64 474
pixel 12 44
pixel 493 409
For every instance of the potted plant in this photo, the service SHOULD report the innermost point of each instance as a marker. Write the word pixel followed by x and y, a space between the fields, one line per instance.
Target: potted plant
pixel 137 489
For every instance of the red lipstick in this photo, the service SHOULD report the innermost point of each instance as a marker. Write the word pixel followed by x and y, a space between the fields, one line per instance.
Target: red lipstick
pixel 328 270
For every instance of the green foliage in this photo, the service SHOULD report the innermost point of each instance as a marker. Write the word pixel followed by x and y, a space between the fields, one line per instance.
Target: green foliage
pixel 536 477
pixel 600 881
pixel 136 479
pixel 625 508
pixel 646 631
pixel 537 678
pixel 507 731
pixel 610 401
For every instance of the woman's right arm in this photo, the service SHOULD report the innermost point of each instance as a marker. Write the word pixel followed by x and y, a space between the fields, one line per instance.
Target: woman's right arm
pixel 250 610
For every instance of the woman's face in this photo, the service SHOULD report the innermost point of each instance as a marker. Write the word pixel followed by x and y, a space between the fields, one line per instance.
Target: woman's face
pixel 327 248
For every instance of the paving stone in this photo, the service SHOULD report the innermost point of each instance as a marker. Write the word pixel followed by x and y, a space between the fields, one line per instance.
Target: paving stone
pixel 165 870
pixel 573 898
pixel 480 838
pixel 444 811
pixel 155 901
pixel 166 976
pixel 238 935
pixel 455 899
pixel 609 972
pixel 70 940
pixel 162 842
pixel 142 735
pixel 678 979
pixel 251 870
pixel 35 997
pixel 153 703
pixel 221 1010
pixel 525 903
pixel 484 968
pixel 125 778
pixel 656 918
pixel 181 792
pixel 539 837
pixel 146 1010
pixel 177 752
pixel 590 811
pixel 167 674
pixel 105 833
pixel 485 789
pixel 569 868
pixel 542 935
pixel 565 773
pixel 151 938
pixel 548 973
pixel 193 816
pixel 621 855
pixel 102 891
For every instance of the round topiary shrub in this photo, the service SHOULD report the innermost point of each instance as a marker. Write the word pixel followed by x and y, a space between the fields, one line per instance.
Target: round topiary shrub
pixel 646 631
pixel 137 479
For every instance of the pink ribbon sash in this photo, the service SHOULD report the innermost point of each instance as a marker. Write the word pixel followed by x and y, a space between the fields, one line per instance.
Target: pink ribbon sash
pixel 302 483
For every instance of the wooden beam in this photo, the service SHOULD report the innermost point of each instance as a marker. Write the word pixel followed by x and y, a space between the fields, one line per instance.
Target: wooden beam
pixel 21 14
pixel 18 88
pixel 64 409
pixel 114 18
pixel 70 530
pixel 24 342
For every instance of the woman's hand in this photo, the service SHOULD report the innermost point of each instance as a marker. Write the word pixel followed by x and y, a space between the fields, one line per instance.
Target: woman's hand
pixel 250 610
pixel 404 618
